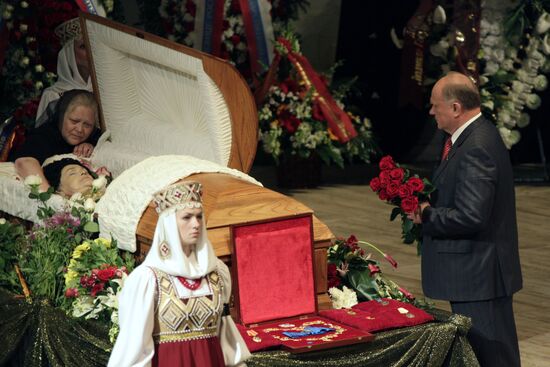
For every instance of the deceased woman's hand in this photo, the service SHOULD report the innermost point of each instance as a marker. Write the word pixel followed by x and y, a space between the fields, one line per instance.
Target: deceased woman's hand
pixel 83 150
pixel 102 171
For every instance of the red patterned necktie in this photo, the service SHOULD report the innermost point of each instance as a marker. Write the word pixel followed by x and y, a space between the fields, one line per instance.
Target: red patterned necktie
pixel 446 148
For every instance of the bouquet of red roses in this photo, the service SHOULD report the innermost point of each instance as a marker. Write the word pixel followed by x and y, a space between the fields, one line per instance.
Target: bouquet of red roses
pixel 398 187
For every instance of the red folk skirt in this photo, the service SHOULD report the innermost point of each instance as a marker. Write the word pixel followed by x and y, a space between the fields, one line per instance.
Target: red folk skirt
pixel 192 353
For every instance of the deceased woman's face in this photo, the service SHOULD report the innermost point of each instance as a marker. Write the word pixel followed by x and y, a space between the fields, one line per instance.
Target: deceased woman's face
pixel 189 223
pixel 78 124
pixel 74 178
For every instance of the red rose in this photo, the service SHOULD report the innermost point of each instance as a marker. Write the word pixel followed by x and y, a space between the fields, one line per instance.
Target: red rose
pixel 289 121
pixel 397 174
pixel 409 204
pixel 416 184
pixel 386 163
pixel 383 195
pixel 385 178
pixel 392 189
pixel 331 270
pixel 235 39
pixel 375 184
pixel 352 241
pixel 333 282
pixel 106 274
pixel 405 191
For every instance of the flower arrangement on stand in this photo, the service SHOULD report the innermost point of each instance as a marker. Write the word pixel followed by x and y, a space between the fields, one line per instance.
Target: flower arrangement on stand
pixel 513 59
pixel 398 187
pixel 294 120
pixel 354 275
pixel 94 278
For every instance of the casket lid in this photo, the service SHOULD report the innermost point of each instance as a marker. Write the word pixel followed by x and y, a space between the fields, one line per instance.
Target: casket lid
pixel 158 97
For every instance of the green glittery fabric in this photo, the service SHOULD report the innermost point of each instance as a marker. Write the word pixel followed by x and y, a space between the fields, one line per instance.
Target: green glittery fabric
pixel 36 334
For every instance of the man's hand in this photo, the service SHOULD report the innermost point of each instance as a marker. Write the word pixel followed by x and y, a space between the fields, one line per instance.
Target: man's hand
pixel 416 216
pixel 83 150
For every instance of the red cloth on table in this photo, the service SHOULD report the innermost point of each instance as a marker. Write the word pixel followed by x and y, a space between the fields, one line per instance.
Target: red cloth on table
pixel 375 316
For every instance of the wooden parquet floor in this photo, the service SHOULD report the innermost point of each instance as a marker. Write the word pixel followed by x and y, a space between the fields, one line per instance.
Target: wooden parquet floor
pixel 355 209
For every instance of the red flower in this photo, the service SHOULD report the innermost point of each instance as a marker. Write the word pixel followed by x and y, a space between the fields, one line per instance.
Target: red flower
pixel 352 241
pixel 289 121
pixel 374 269
pixel 406 293
pixel 391 260
pixel 106 274
pixel 235 39
pixel 409 204
pixel 71 293
pixel 383 195
pixel 392 189
pixel 84 281
pixel 385 178
pixel 397 174
pixel 317 112
pixel 375 184
pixel 405 191
pixel 386 163
pixel 96 289
pixel 332 276
pixel 415 184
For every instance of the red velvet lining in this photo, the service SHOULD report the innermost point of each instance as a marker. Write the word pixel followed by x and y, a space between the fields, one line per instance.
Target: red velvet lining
pixel 274 270
pixel 342 334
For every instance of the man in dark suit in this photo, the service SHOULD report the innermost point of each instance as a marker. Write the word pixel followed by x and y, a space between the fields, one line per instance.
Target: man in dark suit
pixel 470 249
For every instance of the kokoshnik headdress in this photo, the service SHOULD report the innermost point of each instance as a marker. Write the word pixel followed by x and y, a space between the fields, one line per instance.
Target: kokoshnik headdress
pixel 68 31
pixel 179 196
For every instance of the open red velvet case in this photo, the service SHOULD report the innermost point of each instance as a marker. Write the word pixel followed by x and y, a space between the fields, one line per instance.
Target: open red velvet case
pixel 274 287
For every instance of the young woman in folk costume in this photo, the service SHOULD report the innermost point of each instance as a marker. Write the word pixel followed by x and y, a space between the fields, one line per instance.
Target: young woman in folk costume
pixel 173 308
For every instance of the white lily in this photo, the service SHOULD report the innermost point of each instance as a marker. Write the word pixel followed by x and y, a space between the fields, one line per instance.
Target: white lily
pixel 543 23
pixel 439 15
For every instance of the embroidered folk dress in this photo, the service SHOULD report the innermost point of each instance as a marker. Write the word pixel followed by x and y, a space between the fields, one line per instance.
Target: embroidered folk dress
pixel 165 324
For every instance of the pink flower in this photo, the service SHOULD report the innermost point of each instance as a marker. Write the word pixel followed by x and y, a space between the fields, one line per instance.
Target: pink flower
pixel 391 260
pixel 71 293
pixel 406 293
pixel 374 269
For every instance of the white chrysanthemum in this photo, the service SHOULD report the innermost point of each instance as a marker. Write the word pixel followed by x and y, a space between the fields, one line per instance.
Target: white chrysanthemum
pixel 524 120
pixel 3 221
pixel 533 101
pixel 345 298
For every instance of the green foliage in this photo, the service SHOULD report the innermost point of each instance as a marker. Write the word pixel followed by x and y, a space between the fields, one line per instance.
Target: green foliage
pixel 10 235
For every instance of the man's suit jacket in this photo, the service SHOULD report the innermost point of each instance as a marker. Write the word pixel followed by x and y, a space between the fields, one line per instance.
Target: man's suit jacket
pixel 470 245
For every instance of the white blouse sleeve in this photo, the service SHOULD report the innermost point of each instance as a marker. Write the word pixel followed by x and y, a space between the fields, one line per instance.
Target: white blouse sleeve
pixel 234 349
pixel 136 306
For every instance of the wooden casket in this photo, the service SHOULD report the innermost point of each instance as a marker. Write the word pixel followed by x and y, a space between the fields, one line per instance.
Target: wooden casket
pixel 159 98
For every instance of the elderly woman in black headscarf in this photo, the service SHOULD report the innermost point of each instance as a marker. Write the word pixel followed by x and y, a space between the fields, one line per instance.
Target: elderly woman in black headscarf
pixel 72 129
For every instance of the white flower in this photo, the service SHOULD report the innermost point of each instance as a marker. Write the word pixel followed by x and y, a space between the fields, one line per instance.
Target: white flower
pixel 38 85
pixel 505 119
pixel 23 27
pixel 82 306
pixel 483 80
pixel 533 101
pixel 6 14
pixel 33 180
pixel 345 298
pixel 541 82
pixel 396 41
pixel 508 65
pixel 77 196
pixel 524 120
pixel 439 16
pixel 519 87
pixel 24 61
pixel 543 23
pixel 89 205
pixel 24 4
pixel 99 183
pixel 489 104
pixel 2 221
pixel 509 137
pixel 490 68
pixel 546 44
pixel 440 49
pixel 39 68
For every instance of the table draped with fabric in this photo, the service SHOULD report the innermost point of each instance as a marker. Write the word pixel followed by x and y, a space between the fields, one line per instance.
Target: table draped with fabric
pixel 36 334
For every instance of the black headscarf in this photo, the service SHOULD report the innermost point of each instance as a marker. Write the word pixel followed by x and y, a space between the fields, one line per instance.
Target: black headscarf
pixel 52 171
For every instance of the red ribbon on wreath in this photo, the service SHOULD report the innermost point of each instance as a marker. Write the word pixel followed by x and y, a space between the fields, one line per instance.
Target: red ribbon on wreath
pixel 338 121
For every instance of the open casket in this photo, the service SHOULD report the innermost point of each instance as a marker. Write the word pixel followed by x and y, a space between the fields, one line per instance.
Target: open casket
pixel 170 112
